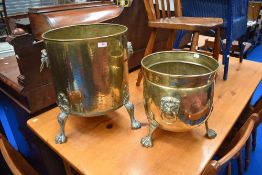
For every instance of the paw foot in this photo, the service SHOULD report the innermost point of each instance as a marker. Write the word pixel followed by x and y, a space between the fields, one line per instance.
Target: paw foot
pixel 135 124
pixel 211 134
pixel 146 141
pixel 61 138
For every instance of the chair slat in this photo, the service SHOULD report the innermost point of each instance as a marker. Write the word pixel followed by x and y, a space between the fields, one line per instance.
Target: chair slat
pixel 178 8
pixel 157 9
pixel 163 9
pixel 150 9
pixel 168 8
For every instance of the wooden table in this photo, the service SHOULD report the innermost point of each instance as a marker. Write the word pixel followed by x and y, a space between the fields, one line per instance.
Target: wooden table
pixel 94 147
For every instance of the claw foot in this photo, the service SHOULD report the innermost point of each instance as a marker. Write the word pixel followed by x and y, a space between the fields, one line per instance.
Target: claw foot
pixel 135 124
pixel 60 138
pixel 211 134
pixel 147 141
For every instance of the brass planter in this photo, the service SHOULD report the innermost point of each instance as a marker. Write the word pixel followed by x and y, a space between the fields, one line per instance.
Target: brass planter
pixel 178 91
pixel 89 68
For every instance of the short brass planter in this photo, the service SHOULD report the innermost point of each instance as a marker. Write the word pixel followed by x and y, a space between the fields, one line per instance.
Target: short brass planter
pixel 178 91
pixel 89 69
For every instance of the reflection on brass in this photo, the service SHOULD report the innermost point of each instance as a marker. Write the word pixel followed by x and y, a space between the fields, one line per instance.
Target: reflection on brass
pixel 124 3
pixel 75 97
pixel 89 67
pixel 178 91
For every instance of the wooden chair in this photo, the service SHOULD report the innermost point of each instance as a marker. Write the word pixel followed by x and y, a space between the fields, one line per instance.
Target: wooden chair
pixel 248 110
pixel 234 149
pixel 257 108
pixel 161 17
pixel 17 164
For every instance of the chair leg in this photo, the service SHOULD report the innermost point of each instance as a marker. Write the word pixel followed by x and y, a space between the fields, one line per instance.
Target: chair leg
pixel 239 163
pixel 194 42
pixel 149 49
pixel 216 50
pixel 139 77
pixel 229 169
pixel 247 159
pixel 226 57
pixel 241 49
pixel 171 39
pixel 254 139
pixel 151 42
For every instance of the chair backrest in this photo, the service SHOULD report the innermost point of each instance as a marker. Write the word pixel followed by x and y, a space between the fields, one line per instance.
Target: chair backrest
pixel 258 109
pixel 162 8
pixel 235 146
pixel 214 8
pixel 233 12
pixel 17 164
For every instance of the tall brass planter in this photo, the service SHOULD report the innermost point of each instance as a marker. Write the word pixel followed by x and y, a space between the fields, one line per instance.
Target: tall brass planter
pixel 89 68
pixel 178 91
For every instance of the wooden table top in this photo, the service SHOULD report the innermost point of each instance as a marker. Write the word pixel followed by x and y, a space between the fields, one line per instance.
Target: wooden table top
pixel 94 148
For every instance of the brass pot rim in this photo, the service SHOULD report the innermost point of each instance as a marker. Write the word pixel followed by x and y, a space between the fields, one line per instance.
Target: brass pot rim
pixel 179 76
pixel 83 39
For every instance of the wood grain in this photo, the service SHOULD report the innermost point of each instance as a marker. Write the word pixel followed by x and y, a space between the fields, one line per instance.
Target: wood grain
pixel 92 148
pixel 186 23
pixel 46 18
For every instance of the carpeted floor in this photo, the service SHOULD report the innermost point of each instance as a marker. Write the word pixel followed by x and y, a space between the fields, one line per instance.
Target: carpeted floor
pixel 256 54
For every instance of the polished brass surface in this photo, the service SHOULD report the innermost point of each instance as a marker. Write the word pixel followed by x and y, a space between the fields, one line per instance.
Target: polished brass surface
pixel 89 68
pixel 178 90
pixel 124 3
